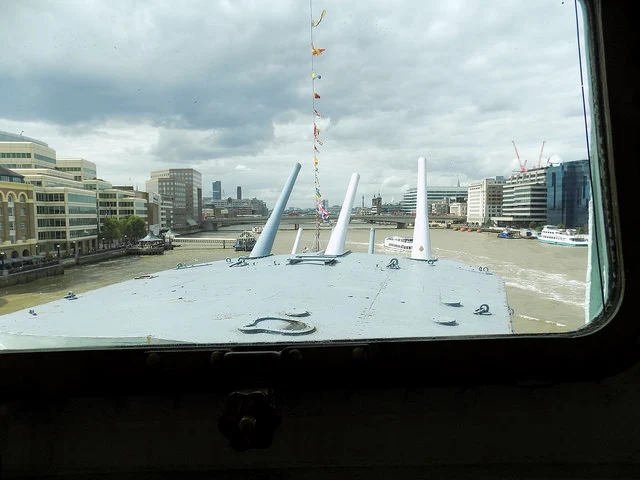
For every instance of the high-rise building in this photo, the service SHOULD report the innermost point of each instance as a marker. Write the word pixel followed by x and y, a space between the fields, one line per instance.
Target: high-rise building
pixel 216 188
pixel 568 194
pixel 239 193
pixel 172 193
pixel 183 186
pixel 524 199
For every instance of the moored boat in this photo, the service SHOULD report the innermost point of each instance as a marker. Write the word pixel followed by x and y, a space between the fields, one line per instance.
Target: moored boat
pixel 399 244
pixel 245 242
pixel 563 236
pixel 509 234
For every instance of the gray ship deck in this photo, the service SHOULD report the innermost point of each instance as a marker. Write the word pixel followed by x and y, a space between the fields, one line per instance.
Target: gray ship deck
pixel 274 299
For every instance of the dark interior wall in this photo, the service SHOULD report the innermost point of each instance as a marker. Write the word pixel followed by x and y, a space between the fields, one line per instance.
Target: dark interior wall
pixel 569 430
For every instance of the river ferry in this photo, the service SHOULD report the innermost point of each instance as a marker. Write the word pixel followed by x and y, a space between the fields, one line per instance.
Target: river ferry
pixel 563 236
pixel 245 242
pixel 399 244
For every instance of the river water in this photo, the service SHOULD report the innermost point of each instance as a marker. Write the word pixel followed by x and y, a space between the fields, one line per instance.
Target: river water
pixel 545 283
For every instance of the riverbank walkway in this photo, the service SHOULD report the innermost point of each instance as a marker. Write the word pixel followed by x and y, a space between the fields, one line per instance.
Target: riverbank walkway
pixel 13 273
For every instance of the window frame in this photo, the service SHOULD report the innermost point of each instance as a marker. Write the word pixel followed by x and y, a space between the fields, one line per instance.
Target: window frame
pixel 600 349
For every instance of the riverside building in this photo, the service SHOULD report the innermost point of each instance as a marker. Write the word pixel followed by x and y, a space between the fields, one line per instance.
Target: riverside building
pixel 18 151
pixel 183 187
pixel 434 195
pixel 17 217
pixel 117 202
pixel 524 199
pixel 484 200
pixel 70 201
pixel 65 213
pixel 80 168
pixel 568 194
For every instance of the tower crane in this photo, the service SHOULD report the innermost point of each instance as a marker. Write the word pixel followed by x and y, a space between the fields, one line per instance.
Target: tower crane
pixel 540 156
pixel 523 166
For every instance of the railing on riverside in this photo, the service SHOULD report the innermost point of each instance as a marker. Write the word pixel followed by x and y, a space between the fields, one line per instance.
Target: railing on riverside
pixel 204 242
pixel 15 270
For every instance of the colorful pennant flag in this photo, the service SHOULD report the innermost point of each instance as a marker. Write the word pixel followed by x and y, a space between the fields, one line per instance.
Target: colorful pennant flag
pixel 317 22
pixel 321 212
pixel 316 51
pixel 316 132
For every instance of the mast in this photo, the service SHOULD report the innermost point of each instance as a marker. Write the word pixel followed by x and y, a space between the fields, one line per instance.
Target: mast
pixel 321 212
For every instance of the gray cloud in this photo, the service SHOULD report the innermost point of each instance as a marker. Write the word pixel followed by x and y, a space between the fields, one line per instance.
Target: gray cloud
pixel 215 85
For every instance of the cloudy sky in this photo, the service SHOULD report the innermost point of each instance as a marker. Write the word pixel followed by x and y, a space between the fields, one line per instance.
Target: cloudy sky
pixel 224 86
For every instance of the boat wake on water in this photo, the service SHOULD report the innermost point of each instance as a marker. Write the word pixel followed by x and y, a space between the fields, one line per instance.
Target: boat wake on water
pixel 549 322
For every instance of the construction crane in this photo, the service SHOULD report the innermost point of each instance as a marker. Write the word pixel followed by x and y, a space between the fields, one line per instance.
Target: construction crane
pixel 540 156
pixel 523 166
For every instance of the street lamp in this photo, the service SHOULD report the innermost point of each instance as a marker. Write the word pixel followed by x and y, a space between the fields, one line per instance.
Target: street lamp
pixel 74 246
pixel 58 248
pixel 2 253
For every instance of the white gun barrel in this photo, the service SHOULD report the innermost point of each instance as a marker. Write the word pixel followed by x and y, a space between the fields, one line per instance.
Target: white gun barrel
pixel 339 235
pixel 264 244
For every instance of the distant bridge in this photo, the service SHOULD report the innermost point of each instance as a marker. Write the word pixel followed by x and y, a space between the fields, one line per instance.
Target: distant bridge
pixel 401 221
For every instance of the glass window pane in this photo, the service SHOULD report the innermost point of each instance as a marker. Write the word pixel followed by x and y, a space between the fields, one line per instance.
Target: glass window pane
pixel 504 236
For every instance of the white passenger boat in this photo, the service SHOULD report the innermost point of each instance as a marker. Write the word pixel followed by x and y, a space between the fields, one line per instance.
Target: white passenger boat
pixel 399 244
pixel 563 236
